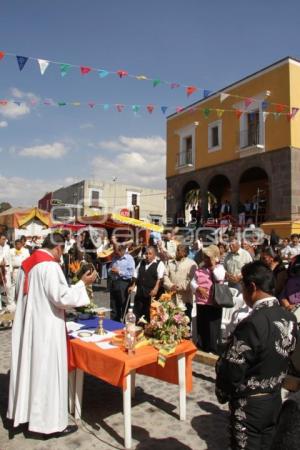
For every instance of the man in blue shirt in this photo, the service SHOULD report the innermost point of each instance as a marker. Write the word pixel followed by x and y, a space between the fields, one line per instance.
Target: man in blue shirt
pixel 120 273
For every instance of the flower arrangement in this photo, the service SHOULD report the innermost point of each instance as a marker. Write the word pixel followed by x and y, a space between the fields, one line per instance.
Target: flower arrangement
pixel 77 269
pixel 168 324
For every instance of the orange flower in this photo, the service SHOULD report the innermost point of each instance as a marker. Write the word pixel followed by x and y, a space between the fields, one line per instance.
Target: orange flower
pixel 167 297
pixel 74 266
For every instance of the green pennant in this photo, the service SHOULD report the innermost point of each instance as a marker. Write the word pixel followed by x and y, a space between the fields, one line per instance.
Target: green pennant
pixel 61 103
pixel 136 108
pixel 206 112
pixel 156 83
pixel 64 69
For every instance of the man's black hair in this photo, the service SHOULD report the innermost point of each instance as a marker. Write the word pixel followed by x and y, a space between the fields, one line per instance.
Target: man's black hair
pixel 258 273
pixel 52 240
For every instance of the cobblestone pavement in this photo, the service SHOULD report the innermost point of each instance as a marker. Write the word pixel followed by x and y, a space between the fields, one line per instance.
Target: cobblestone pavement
pixel 155 423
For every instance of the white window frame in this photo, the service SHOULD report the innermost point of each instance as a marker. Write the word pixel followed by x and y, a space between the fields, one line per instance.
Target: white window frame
pixel 255 106
pixel 100 191
pixel 184 133
pixel 129 199
pixel 218 124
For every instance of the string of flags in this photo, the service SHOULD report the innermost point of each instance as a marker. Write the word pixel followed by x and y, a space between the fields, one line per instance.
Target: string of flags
pixel 150 108
pixel 65 68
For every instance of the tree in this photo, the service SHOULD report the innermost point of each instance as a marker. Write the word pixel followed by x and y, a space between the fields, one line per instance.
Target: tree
pixel 4 206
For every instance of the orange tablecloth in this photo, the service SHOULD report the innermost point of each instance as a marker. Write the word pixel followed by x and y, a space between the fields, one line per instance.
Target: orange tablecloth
pixel 114 365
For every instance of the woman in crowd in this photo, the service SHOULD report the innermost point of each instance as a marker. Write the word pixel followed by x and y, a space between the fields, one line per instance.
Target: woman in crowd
pixel 274 262
pixel 290 296
pixel 208 315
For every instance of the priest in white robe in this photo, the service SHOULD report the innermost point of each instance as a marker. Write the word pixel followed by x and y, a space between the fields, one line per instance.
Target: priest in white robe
pixel 38 391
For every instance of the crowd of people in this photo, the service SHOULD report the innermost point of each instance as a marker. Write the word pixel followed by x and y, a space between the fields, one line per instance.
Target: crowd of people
pixel 253 360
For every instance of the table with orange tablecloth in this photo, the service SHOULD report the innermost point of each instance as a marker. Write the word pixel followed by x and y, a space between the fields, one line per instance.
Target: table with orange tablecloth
pixel 118 368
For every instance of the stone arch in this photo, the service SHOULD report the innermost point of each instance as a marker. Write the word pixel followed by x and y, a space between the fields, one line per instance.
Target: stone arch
pixel 254 187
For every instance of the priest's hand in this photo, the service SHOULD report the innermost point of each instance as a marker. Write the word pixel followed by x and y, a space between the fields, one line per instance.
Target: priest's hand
pixel 89 277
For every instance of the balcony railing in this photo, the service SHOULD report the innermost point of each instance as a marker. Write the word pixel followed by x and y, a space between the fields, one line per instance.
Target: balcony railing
pixel 249 138
pixel 185 159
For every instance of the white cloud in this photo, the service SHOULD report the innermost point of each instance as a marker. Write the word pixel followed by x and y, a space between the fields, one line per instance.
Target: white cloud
pixel 17 93
pixel 140 161
pixel 54 151
pixel 25 192
pixel 3 124
pixel 13 111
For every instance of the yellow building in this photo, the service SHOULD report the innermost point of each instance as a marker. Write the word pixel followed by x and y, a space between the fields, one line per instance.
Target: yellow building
pixel 240 144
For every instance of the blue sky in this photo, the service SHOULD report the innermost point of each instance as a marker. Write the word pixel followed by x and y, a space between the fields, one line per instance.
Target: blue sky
pixel 205 43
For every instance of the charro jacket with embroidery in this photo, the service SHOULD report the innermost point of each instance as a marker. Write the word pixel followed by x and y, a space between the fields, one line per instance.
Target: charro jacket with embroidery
pixel 256 357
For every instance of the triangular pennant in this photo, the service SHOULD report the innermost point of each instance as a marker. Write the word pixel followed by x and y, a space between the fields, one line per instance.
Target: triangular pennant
pixel 120 108
pixel 276 115
pixel 289 116
pixel 179 109
pixel 43 63
pixel 136 108
pixel 248 102
pixel 156 82
pixel 106 106
pixel 264 105
pixel 122 73
pixel 294 111
pixel 238 113
pixel 22 60
pixel 61 103
pixel 164 109
pixel 76 103
pixel 103 73
pixel 141 77
pixel 64 69
pixel 48 102
pixel 279 108
pixel 220 112
pixel 150 108
pixel 2 54
pixel 91 104
pixel 206 93
pixel 17 103
pixel 33 102
pixel 84 70
pixel 206 112
pixel 3 102
pixel 223 96
pixel 190 90
pixel 174 85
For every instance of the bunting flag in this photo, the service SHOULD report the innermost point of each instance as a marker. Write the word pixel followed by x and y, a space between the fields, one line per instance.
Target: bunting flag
pixel 120 108
pixel 122 73
pixel 279 108
pixel 22 60
pixel 164 109
pixel 206 112
pixel 150 108
pixel 248 102
pixel 206 93
pixel 223 97
pixel 61 103
pixel 156 83
pixel 294 112
pixel 76 103
pixel 2 54
pixel 3 102
pixel 17 103
pixel 84 70
pixel 276 115
pixel 220 112
pixel 141 77
pixel 64 69
pixel 179 109
pixel 238 113
pixel 174 85
pixel 91 104
pixel 136 108
pixel 103 73
pixel 190 90
pixel 43 63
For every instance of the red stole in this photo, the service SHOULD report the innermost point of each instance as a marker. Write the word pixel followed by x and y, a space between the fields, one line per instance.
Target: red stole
pixel 37 257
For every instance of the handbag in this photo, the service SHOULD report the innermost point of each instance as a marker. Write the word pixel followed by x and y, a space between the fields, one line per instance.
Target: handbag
pixel 222 295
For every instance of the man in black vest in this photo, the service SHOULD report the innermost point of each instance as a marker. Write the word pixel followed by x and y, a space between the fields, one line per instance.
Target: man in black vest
pixel 148 279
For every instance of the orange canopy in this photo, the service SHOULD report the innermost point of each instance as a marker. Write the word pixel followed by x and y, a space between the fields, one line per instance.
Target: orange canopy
pixel 19 217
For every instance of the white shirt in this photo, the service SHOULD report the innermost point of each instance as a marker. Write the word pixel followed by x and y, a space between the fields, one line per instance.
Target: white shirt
pixel 17 257
pixel 292 250
pixel 234 262
pixel 160 268
pixel 68 245
pixel 5 256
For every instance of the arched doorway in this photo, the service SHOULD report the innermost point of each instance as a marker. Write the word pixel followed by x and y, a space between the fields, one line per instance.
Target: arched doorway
pixel 191 202
pixel 254 191
pixel 218 192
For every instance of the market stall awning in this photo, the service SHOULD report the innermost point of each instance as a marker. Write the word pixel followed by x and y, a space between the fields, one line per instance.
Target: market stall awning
pixel 114 220
pixel 19 217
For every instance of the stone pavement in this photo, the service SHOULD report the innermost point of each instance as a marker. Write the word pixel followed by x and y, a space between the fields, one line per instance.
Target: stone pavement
pixel 155 423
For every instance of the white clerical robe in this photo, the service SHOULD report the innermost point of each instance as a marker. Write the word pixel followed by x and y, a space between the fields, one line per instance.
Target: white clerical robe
pixel 38 391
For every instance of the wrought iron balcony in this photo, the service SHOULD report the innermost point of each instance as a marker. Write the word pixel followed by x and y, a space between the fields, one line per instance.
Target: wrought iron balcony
pixel 249 138
pixel 185 159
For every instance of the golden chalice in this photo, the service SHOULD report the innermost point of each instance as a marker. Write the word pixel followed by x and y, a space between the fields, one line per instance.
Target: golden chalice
pixel 101 315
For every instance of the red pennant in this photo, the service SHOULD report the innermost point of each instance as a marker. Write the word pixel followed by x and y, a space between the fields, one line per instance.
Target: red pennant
pixel 248 102
pixel 289 116
pixel 279 108
pixel 91 104
pixel 3 102
pixel 190 90
pixel 2 54
pixel 85 70
pixel 150 108
pixel 120 108
pixel 122 73
pixel 179 109
pixel 238 113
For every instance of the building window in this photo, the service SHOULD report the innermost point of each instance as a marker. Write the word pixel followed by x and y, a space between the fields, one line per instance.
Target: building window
pixel 186 155
pixel 252 129
pixel 215 136
pixel 95 195
pixel 133 199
